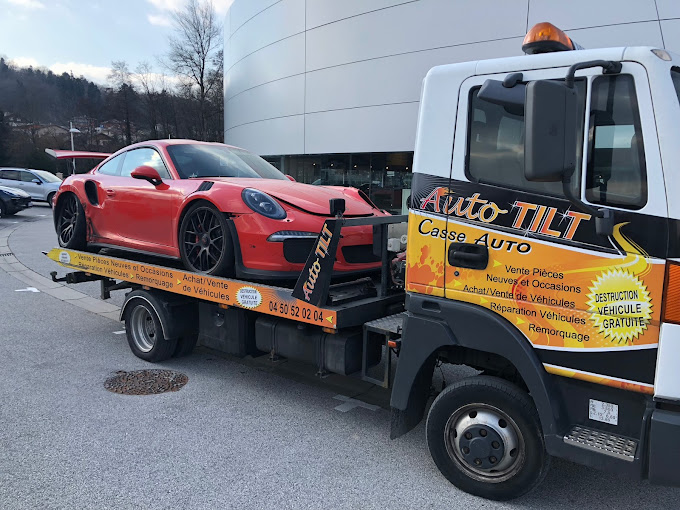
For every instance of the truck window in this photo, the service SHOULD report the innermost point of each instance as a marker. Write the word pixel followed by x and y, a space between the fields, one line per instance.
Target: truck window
pixel 675 76
pixel 616 173
pixel 496 147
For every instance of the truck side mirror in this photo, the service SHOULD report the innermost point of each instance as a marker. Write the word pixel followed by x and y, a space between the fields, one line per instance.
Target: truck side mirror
pixel 550 121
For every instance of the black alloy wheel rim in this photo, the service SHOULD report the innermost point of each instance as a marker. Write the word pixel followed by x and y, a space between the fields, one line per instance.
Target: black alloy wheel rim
pixel 203 240
pixel 68 219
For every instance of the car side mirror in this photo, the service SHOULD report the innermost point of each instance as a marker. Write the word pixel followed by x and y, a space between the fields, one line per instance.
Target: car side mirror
pixel 37 181
pixel 148 174
pixel 291 178
pixel 550 121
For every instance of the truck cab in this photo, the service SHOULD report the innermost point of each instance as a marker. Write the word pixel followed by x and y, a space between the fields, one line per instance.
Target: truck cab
pixel 542 250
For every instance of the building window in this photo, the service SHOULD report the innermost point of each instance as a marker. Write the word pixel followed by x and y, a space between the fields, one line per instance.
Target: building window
pixel 384 177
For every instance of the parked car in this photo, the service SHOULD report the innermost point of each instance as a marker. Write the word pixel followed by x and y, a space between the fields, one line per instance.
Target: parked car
pixel 13 200
pixel 220 209
pixel 39 184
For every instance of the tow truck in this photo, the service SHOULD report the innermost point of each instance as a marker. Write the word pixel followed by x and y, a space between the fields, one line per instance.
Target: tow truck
pixel 543 250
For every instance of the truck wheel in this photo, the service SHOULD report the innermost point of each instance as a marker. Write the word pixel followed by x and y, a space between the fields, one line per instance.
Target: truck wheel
pixel 484 435
pixel 185 345
pixel 145 333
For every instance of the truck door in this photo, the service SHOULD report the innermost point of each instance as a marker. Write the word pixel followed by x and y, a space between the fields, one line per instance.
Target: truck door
pixel 590 304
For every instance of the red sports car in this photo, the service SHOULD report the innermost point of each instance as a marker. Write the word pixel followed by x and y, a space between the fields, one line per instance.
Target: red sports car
pixel 220 209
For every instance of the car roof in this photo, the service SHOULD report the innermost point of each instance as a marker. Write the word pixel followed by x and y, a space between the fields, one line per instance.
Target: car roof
pixel 173 141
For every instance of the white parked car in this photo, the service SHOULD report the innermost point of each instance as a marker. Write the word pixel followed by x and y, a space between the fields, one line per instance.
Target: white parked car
pixel 39 184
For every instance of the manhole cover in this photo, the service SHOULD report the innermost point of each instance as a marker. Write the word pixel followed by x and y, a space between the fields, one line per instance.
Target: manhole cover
pixel 145 382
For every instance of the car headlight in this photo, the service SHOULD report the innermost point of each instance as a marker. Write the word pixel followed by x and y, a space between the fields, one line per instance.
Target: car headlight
pixel 263 204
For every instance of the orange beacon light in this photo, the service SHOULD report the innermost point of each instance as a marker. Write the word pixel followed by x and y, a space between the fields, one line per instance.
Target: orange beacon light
pixel 545 38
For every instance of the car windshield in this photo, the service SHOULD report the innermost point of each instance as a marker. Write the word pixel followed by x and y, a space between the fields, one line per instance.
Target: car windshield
pixel 46 176
pixel 198 160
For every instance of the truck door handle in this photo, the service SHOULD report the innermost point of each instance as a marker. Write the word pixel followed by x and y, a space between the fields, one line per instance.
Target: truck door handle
pixel 472 256
pixel 110 193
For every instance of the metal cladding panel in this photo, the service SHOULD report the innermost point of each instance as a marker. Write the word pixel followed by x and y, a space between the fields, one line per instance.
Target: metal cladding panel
pixel 321 12
pixel 243 10
pixel 671 34
pixel 586 13
pixel 391 80
pixel 414 26
pixel 281 60
pixel 668 8
pixel 284 135
pixel 281 20
pixel 280 98
pixel 373 129
pixel 634 34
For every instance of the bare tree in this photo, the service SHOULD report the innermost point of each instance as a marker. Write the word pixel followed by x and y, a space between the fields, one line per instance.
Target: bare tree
pixel 121 78
pixel 193 50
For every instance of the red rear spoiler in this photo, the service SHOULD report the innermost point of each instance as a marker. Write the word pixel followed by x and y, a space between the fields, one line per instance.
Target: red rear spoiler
pixel 76 154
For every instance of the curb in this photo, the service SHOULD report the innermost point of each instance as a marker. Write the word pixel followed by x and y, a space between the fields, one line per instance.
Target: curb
pixel 13 266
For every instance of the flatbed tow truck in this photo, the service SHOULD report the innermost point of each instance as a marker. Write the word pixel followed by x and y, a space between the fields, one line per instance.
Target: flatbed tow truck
pixel 543 250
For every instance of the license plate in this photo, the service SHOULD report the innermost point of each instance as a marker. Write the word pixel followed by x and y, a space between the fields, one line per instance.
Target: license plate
pixel 605 412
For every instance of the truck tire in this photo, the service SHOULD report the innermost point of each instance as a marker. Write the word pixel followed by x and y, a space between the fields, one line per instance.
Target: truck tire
pixel 185 345
pixel 485 437
pixel 145 333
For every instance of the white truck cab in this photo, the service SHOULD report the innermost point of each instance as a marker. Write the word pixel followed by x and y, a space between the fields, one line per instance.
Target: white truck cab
pixel 543 248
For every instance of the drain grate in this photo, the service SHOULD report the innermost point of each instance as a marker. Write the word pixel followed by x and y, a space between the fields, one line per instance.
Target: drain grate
pixel 145 382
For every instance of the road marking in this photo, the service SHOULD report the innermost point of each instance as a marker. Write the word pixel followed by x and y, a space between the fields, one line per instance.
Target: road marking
pixel 122 332
pixel 351 403
pixel 27 289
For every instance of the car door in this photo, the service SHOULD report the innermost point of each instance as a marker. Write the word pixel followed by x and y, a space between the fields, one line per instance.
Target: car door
pixel 143 211
pixel 588 302
pixel 28 184
pixel 103 223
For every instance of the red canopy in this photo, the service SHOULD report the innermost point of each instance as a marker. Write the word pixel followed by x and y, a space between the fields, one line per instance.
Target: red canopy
pixel 76 154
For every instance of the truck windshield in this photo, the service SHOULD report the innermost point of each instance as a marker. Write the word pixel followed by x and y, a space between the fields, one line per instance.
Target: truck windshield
pixel 202 160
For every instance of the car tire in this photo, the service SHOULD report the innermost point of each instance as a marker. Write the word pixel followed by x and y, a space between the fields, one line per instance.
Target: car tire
pixel 144 332
pixel 485 437
pixel 49 199
pixel 71 223
pixel 3 208
pixel 205 244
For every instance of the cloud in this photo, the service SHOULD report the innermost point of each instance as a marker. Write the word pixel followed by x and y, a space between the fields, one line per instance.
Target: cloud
pixel 167 5
pixel 159 20
pixel 221 6
pixel 28 4
pixel 25 62
pixel 97 74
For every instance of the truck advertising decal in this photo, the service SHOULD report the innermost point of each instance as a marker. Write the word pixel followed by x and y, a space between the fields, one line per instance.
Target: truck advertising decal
pixel 262 298
pixel 577 297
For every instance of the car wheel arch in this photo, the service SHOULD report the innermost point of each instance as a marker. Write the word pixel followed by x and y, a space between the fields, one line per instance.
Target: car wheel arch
pixel 186 206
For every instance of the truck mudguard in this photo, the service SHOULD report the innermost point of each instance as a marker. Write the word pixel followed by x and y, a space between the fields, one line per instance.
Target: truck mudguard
pixel 442 323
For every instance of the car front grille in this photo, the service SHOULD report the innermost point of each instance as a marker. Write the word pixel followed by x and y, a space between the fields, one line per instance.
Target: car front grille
pixel 359 254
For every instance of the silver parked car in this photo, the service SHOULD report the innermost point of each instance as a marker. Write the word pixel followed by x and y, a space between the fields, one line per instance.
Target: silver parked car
pixel 39 184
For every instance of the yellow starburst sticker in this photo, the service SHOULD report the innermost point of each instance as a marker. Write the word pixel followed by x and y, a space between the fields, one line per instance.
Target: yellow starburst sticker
pixel 620 305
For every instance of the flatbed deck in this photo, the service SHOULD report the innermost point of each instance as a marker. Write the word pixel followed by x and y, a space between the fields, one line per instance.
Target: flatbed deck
pixel 266 299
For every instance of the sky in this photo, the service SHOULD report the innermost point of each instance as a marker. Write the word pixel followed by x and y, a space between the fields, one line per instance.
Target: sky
pixel 85 36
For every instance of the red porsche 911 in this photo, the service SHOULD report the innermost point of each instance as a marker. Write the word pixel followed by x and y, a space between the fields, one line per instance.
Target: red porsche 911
pixel 220 209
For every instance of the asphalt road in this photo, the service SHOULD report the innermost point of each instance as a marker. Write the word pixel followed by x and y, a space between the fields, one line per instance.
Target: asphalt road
pixel 240 434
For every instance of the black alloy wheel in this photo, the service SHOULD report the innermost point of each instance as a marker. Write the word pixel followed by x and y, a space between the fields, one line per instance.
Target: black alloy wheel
pixel 205 244
pixel 71 223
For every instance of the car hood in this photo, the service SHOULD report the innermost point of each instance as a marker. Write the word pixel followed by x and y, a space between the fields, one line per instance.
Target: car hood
pixel 313 199
pixel 17 192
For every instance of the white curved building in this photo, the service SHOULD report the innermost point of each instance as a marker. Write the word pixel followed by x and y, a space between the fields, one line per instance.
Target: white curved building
pixel 328 90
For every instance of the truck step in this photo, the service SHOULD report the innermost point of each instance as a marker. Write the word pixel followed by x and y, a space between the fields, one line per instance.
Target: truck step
pixel 620 447
pixel 391 325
